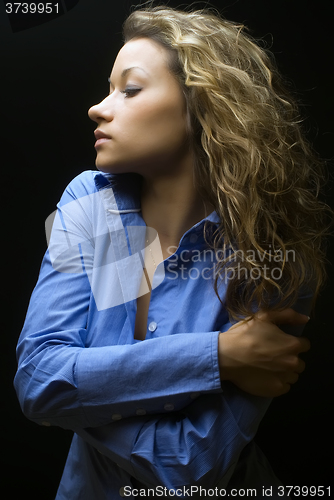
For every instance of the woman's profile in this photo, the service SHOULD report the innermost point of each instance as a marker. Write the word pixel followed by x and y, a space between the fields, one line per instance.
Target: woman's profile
pixel 180 273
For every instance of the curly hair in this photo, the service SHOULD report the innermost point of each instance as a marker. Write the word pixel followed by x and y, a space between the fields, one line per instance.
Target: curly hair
pixel 253 163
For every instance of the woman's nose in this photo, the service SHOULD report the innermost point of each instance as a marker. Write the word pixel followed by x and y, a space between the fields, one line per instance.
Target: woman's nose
pixel 101 111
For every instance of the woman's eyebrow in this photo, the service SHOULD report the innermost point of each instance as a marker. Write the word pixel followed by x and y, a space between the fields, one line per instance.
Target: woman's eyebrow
pixel 127 70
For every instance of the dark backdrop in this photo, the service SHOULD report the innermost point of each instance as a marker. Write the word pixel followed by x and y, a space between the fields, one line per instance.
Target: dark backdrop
pixel 51 75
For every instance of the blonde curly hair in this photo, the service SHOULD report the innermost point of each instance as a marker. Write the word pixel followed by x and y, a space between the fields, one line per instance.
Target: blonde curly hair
pixel 253 163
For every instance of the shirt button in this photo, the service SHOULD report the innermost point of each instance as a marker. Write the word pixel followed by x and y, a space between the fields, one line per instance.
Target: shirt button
pixel 116 416
pixel 46 424
pixel 140 411
pixel 169 407
pixel 194 395
pixel 193 238
pixel 152 326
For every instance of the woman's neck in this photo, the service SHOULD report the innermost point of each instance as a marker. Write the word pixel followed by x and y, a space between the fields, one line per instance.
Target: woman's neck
pixel 171 205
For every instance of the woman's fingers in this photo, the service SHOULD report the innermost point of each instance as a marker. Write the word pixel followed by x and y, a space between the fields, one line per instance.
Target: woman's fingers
pixel 305 344
pixel 300 366
pixel 291 378
pixel 259 357
pixel 286 317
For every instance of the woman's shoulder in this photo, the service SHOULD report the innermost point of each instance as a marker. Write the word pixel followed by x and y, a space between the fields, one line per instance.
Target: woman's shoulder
pixel 86 183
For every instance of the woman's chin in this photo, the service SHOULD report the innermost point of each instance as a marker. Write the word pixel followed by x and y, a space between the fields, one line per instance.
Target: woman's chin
pixel 111 168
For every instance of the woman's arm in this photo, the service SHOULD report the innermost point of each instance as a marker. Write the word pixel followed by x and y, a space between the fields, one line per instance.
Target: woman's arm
pixel 64 381
pixel 197 446
pixel 67 379
pixel 201 444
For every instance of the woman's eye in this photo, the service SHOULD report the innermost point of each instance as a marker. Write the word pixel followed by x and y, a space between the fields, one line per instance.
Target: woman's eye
pixel 130 92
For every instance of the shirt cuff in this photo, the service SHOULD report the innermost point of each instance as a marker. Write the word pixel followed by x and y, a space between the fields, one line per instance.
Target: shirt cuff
pixel 154 376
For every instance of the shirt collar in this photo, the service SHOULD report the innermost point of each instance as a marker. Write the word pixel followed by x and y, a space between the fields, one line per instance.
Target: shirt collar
pixel 213 217
pixel 126 188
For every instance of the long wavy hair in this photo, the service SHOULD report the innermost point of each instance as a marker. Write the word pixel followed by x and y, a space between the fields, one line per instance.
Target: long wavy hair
pixel 253 163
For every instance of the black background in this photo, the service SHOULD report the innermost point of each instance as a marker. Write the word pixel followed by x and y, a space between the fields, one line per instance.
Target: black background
pixel 51 75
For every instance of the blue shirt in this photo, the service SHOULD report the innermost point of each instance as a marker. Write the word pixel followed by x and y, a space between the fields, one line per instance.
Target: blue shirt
pixel 154 410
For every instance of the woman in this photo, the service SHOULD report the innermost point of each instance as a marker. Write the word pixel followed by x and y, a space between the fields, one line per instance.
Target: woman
pixel 182 239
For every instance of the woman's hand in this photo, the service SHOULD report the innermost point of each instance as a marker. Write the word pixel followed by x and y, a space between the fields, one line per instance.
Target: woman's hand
pixel 260 358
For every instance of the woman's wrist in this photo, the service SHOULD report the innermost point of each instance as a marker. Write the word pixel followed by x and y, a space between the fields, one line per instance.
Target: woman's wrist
pixel 224 348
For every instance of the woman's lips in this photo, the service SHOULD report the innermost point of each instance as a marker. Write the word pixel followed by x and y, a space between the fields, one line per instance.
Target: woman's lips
pixel 99 142
pixel 101 137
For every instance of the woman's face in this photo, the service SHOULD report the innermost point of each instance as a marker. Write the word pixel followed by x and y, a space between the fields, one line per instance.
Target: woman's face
pixel 144 117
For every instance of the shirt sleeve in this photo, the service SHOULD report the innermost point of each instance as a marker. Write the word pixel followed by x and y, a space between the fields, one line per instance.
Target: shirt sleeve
pixel 60 381
pixel 196 446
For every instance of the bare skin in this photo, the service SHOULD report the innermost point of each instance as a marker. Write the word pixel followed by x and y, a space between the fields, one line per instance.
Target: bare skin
pixel 260 358
pixel 145 122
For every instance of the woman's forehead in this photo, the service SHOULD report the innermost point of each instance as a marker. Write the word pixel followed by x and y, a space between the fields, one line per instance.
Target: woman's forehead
pixel 142 55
